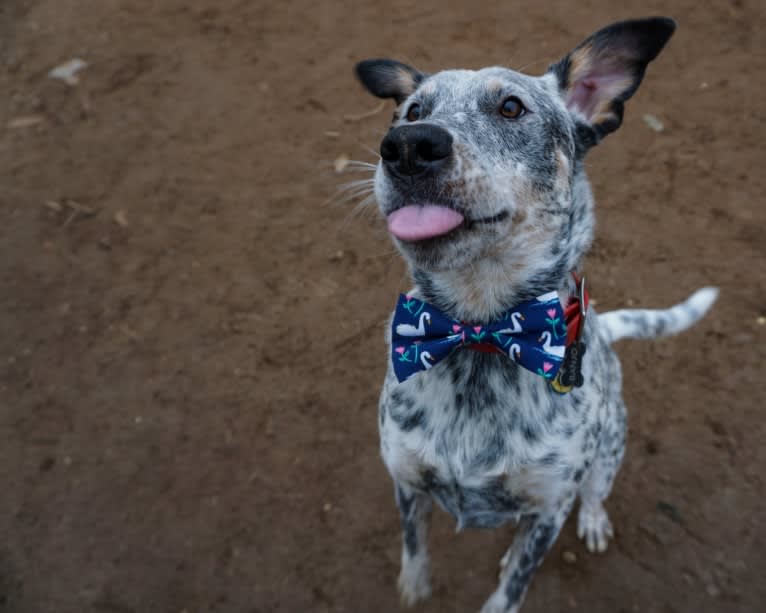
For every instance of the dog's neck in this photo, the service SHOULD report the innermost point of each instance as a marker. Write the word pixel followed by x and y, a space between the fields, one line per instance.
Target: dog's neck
pixel 482 292
pixel 486 288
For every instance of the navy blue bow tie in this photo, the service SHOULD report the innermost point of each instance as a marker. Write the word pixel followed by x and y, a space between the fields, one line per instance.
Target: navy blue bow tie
pixel 533 334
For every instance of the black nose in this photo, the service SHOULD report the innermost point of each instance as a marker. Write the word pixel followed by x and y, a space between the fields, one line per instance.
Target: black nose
pixel 412 150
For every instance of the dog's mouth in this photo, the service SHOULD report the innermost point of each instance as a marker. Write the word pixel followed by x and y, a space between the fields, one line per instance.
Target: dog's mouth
pixel 414 223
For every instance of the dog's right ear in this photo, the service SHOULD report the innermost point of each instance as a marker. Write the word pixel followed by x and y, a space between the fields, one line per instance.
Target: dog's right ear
pixel 388 78
pixel 606 69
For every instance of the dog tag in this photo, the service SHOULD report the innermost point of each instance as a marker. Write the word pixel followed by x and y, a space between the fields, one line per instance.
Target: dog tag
pixel 570 373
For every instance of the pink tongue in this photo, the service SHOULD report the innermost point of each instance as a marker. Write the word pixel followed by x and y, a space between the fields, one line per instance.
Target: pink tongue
pixel 414 223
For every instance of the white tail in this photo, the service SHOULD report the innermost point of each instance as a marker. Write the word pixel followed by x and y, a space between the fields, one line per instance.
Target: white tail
pixel 651 323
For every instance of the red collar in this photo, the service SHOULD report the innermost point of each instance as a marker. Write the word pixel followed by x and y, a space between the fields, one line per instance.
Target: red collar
pixel 572 315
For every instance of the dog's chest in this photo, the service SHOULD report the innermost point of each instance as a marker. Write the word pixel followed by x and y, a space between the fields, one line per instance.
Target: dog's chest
pixel 487 440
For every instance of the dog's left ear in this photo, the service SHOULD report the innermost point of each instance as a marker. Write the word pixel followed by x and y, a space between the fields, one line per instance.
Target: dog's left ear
pixel 389 78
pixel 605 70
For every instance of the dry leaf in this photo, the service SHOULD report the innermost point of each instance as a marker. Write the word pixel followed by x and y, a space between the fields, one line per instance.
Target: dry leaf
pixel 26 121
pixel 340 163
pixel 80 208
pixel 121 219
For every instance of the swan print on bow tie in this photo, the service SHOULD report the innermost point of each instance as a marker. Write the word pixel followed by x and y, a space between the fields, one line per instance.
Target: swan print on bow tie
pixel 516 328
pixel 422 335
pixel 410 330
pixel 557 350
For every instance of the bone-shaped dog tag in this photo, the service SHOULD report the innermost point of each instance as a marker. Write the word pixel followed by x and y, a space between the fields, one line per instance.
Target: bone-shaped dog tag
pixel 570 373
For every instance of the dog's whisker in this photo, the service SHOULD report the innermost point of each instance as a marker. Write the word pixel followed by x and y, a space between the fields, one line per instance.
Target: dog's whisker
pixel 370 150
pixel 360 210
pixel 355 190
pixel 362 164
pixel 358 182
pixel 345 201
pixel 361 190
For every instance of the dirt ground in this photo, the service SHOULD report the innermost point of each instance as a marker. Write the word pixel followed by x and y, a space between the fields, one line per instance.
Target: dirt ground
pixel 191 324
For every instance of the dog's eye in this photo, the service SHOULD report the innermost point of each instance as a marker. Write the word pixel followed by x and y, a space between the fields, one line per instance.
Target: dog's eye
pixel 512 108
pixel 413 114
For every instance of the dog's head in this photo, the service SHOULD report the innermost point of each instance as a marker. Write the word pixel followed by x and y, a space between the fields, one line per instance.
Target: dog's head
pixel 487 164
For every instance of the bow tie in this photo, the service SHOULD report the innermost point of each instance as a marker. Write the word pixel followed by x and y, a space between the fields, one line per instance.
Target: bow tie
pixel 533 334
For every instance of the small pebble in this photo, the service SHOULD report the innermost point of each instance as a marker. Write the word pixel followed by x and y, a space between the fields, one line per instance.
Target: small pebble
pixel 570 557
pixel 67 71
pixel 654 123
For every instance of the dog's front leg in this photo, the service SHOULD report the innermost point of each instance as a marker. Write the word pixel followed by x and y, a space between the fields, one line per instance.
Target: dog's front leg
pixel 534 537
pixel 415 576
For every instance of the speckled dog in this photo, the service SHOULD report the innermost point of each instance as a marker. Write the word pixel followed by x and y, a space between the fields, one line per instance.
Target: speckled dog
pixel 483 184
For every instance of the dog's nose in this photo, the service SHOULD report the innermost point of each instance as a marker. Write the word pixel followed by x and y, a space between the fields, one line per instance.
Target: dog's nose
pixel 412 150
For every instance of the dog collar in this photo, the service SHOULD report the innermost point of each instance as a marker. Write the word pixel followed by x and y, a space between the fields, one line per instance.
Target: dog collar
pixel 569 374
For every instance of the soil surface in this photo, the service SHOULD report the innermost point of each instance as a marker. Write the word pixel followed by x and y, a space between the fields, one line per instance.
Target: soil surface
pixel 191 319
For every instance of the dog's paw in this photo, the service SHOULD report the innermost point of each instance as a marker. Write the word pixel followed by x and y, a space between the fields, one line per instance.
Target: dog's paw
pixel 498 603
pixel 594 527
pixel 414 582
pixel 504 564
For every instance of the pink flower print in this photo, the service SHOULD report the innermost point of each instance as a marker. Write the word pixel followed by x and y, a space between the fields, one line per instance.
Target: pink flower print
pixel 547 366
pixel 455 328
pixel 551 313
pixel 477 329
pixel 400 350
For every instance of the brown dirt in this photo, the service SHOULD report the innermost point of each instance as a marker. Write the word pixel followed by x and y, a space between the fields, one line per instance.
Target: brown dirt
pixel 188 398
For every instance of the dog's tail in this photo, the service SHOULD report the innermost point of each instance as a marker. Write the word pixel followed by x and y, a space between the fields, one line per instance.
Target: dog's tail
pixel 651 323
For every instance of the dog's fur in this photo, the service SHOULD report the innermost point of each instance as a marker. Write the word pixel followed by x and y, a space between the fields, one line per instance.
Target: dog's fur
pixel 489 441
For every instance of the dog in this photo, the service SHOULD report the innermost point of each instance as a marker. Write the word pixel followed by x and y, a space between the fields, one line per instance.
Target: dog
pixel 482 182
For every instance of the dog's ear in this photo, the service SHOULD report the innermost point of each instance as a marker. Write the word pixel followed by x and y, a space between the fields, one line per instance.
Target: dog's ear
pixel 605 70
pixel 388 78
